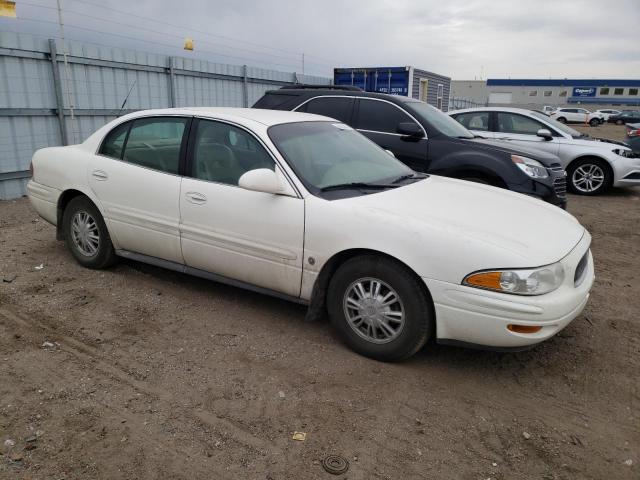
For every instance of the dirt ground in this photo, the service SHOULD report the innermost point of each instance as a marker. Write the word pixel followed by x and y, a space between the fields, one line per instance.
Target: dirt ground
pixel 137 372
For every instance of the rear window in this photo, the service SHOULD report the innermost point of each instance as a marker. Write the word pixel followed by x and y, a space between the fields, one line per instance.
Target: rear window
pixel 335 107
pixel 271 101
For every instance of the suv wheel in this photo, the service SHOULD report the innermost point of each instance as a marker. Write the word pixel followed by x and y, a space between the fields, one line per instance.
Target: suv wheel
pixel 561 119
pixel 594 122
pixel 380 308
pixel 590 176
pixel 86 234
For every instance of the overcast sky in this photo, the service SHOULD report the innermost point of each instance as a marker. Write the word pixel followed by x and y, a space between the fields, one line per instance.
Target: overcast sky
pixel 461 39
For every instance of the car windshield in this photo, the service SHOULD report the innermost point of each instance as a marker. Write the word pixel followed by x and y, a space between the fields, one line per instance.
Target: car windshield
pixel 326 154
pixel 557 125
pixel 438 120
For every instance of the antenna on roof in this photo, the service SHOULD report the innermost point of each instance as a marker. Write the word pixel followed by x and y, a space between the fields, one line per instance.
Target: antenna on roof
pixel 126 98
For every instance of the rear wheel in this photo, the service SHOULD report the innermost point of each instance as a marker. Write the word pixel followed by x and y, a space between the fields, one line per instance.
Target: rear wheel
pixel 594 122
pixel 590 176
pixel 619 122
pixel 380 308
pixel 86 234
pixel 562 119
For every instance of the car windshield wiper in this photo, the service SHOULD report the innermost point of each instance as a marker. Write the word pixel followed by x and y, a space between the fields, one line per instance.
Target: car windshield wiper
pixel 356 185
pixel 410 176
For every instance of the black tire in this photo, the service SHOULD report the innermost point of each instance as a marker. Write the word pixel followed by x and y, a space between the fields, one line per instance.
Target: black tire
pixel 594 122
pixel 619 122
pixel 574 184
pixel 104 255
pixel 562 120
pixel 415 303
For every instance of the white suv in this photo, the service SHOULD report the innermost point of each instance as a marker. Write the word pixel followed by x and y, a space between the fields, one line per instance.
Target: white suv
pixel 576 115
pixel 604 113
pixel 592 164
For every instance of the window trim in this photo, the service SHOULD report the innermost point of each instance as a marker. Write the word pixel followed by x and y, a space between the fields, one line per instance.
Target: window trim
pixel 190 150
pixel 354 110
pixel 131 121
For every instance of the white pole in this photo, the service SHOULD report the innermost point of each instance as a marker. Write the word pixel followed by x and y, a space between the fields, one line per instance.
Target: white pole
pixel 67 80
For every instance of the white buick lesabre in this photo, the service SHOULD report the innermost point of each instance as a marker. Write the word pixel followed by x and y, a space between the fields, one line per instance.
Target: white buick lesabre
pixel 305 208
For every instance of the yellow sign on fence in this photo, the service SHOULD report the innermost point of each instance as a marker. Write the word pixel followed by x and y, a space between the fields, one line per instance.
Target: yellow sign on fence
pixel 188 43
pixel 7 9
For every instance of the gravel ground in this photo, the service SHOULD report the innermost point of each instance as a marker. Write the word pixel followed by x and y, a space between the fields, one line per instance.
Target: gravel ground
pixel 138 372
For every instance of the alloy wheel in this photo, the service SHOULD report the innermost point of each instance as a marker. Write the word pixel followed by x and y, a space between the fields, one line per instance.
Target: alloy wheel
pixel 85 234
pixel 588 178
pixel 374 310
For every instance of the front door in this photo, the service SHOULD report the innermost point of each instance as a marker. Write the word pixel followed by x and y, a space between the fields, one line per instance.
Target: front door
pixel 135 177
pixel 252 237
pixel 522 130
pixel 378 120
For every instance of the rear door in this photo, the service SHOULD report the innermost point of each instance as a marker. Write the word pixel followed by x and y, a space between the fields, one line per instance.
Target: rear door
pixel 476 122
pixel 378 120
pixel 135 177
pixel 522 130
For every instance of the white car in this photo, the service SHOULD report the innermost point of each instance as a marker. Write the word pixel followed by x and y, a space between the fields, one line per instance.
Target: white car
pixel 592 164
pixel 605 113
pixel 576 115
pixel 307 209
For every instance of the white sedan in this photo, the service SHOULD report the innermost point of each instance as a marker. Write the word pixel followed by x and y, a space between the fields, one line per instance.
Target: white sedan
pixel 307 209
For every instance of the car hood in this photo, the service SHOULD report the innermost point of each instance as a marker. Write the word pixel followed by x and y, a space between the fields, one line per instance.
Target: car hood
pixel 547 159
pixel 593 142
pixel 503 228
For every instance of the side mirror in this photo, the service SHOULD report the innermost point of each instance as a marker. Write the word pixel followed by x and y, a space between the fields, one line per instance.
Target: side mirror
pixel 261 180
pixel 390 153
pixel 544 133
pixel 410 129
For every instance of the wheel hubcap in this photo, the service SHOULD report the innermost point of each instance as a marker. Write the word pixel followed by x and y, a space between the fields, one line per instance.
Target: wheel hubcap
pixel 374 310
pixel 588 178
pixel 85 234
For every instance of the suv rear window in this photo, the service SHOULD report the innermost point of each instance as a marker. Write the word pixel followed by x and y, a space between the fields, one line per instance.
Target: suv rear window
pixel 271 101
pixel 335 107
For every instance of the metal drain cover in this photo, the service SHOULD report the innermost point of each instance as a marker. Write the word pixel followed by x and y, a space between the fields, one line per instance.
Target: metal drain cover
pixel 335 464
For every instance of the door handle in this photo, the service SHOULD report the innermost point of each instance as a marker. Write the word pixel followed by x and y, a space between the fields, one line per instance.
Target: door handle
pixel 195 198
pixel 100 175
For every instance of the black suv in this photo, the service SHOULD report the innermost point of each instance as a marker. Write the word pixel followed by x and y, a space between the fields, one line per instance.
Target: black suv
pixel 427 140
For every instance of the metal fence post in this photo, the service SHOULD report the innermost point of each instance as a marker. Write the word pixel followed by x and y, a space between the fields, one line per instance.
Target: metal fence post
pixel 57 87
pixel 245 87
pixel 172 83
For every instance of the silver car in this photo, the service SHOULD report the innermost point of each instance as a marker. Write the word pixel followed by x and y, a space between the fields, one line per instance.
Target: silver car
pixel 592 164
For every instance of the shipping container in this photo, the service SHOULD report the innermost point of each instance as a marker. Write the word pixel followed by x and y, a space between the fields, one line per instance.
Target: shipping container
pixel 406 81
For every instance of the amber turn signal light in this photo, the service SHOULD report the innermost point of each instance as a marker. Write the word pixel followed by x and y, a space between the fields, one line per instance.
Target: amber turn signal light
pixel 485 280
pixel 524 328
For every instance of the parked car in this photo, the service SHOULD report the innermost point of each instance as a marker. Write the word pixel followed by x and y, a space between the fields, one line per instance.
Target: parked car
pixel 605 113
pixel 593 164
pixel 633 137
pixel 576 115
pixel 626 116
pixel 427 140
pixel 307 209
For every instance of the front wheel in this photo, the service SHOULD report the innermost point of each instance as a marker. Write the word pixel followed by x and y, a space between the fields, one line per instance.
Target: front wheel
pixel 562 120
pixel 590 176
pixel 86 234
pixel 380 308
pixel 619 122
pixel 594 122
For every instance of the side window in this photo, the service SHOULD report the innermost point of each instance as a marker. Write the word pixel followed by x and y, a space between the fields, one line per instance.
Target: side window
pixel 223 153
pixel 379 116
pixel 155 143
pixel 114 141
pixel 334 107
pixel 474 120
pixel 512 123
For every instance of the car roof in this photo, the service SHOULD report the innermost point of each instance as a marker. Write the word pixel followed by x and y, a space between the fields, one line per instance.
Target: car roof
pixel 313 92
pixel 492 109
pixel 240 115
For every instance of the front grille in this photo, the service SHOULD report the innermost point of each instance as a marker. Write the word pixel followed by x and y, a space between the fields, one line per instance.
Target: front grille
pixel 560 186
pixel 581 270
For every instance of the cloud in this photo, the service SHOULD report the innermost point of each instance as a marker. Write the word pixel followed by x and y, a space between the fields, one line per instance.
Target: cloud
pixel 503 38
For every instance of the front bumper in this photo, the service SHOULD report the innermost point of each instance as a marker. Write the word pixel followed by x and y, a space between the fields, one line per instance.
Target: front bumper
pixel 626 171
pixel 552 189
pixel 480 317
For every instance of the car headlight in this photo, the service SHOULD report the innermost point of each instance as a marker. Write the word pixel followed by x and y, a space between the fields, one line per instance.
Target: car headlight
pixel 623 152
pixel 533 281
pixel 531 167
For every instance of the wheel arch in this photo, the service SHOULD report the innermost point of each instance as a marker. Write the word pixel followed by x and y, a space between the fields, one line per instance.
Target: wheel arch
pixel 318 302
pixel 591 156
pixel 63 200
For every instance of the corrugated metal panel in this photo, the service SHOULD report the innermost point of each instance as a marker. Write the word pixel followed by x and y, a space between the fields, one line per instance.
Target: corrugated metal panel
pixel 99 78
pixel 432 93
